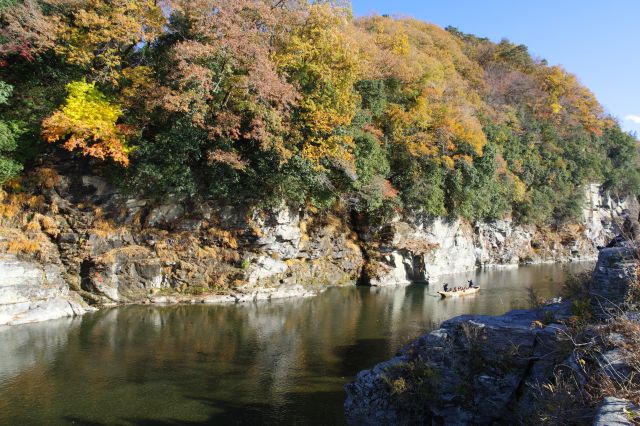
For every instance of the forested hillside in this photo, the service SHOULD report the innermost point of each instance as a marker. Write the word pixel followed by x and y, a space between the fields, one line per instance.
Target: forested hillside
pixel 274 100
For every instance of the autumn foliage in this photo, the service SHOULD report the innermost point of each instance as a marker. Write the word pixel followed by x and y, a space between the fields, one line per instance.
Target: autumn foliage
pixel 301 101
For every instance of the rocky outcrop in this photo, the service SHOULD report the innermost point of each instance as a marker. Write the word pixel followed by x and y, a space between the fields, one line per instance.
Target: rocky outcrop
pixel 112 248
pixel 473 370
pixel 30 292
pixel 615 286
pixel 443 247
pixel 603 215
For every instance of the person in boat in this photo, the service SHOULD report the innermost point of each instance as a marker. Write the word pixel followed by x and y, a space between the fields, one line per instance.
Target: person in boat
pixel 445 287
pixel 470 284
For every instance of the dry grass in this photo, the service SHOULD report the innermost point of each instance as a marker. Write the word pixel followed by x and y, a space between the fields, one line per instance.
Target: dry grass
pixel 226 238
pixel 104 228
pixel 49 226
pixel 533 298
pixel 33 225
pixel 579 385
pixel 577 286
pixel 23 245
pixel 46 177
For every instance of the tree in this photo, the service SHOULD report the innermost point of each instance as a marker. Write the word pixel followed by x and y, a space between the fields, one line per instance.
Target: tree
pixel 322 58
pixel 102 35
pixel 25 31
pixel 87 121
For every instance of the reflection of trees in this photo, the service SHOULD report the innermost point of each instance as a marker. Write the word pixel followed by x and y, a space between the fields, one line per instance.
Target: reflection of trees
pixel 160 362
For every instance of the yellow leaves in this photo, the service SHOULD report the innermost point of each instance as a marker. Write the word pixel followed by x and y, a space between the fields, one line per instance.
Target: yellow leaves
pixel 438 118
pixel 448 162
pixel 321 118
pixel 324 59
pixel 571 101
pixel 436 128
pixel 101 32
pixel 337 147
pixel 87 121
pixel 400 45
pixel 519 189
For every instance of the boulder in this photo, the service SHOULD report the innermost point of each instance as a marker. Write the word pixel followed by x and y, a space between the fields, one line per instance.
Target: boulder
pixel 473 370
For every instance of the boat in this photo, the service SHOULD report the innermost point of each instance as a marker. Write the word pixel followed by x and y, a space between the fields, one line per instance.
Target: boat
pixel 464 292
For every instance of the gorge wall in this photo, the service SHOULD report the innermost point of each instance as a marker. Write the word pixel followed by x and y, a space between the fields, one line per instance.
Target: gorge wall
pixel 420 249
pixel 75 240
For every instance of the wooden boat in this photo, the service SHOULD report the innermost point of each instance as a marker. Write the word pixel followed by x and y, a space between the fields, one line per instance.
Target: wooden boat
pixel 463 292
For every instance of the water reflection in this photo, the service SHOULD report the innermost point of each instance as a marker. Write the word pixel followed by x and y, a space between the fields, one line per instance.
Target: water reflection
pixel 283 361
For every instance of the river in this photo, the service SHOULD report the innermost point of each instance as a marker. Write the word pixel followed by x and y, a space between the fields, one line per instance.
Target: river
pixel 272 362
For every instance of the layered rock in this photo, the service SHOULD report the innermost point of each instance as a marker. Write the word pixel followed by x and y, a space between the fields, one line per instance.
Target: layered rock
pixel 112 248
pixel 615 284
pixel 30 292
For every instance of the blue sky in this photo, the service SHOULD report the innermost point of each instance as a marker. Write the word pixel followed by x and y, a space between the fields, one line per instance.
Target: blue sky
pixel 598 40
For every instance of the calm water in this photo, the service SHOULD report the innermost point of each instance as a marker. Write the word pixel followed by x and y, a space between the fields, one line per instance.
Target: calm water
pixel 272 362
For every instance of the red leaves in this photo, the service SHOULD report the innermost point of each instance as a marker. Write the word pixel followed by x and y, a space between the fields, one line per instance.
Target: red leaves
pixel 26 31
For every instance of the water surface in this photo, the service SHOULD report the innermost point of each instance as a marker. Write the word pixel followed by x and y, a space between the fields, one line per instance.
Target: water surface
pixel 270 362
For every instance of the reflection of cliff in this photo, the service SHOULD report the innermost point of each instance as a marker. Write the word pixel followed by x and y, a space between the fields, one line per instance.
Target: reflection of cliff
pixel 284 356
pixel 31 345
pixel 27 353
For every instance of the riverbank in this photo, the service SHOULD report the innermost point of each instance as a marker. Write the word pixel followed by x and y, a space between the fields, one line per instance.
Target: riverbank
pixel 108 248
pixel 553 364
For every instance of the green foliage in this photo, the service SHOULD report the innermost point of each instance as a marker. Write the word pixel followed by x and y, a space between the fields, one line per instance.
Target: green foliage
pixel 622 176
pixel 5 92
pixel 169 162
pixel 9 168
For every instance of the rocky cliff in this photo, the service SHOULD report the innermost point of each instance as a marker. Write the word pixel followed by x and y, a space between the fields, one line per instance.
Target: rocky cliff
pixel 112 248
pixel 419 248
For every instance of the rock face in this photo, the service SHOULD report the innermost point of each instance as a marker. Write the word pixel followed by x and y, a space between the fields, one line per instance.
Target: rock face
pixel 114 249
pixel 441 247
pixel 603 214
pixel 31 293
pixel 473 370
pixel 614 280
pixel 455 249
